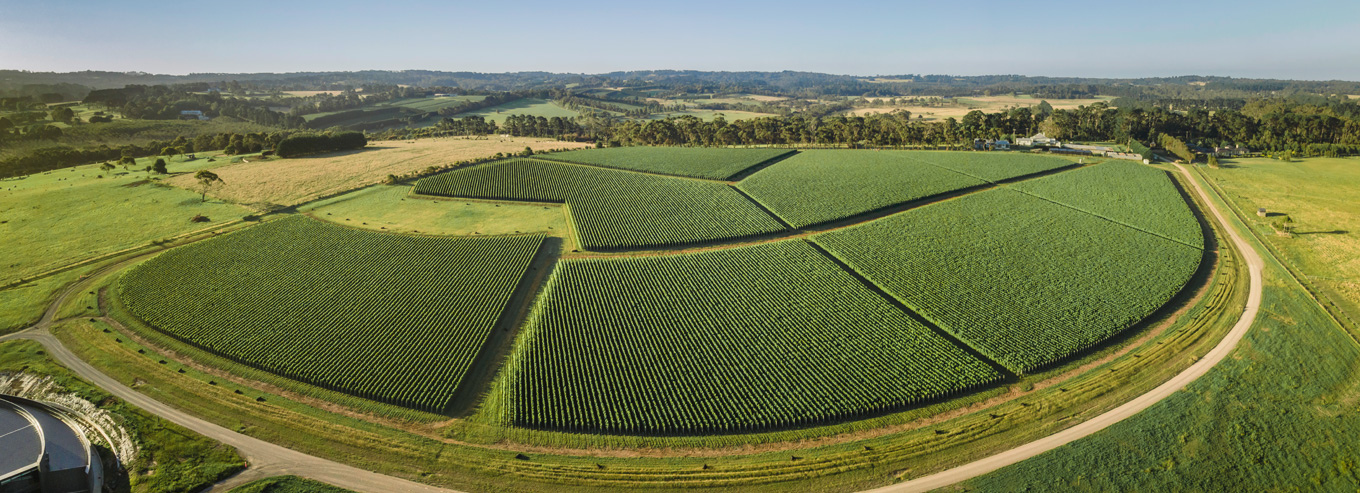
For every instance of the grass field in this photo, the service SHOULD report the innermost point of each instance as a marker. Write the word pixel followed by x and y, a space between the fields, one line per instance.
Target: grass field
pixel 526 106
pixel 708 115
pixel 164 458
pixel 433 103
pixel 284 182
pixel 392 208
pixel 1320 195
pixel 58 217
pixel 1283 404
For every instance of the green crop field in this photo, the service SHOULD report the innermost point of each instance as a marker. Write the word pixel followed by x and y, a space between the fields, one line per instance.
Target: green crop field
pixel 390 208
pixel 393 318
pixel 991 166
pixel 1024 281
pixel 823 185
pixel 613 209
pixel 1124 192
pixel 526 106
pixel 698 162
pixel 771 335
pixel 818 186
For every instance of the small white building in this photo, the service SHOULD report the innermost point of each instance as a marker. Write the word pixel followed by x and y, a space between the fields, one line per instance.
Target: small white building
pixel 1038 139
pixel 192 115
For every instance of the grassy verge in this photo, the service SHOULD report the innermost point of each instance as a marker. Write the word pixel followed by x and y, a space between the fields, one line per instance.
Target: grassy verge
pixel 171 458
pixel 287 484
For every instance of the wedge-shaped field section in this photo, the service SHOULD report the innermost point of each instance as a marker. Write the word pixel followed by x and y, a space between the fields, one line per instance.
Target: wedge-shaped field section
pixel 1024 281
pixel 820 186
pixel 992 166
pixel 397 319
pixel 756 337
pixel 698 162
pixel 1124 192
pixel 613 209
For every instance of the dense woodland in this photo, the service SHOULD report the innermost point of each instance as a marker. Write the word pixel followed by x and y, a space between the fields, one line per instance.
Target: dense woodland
pixel 40 131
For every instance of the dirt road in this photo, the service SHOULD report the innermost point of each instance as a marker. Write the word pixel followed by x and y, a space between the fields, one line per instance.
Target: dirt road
pixel 1028 450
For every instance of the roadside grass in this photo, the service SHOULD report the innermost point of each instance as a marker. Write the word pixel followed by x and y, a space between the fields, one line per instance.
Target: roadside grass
pixel 393 208
pixel 23 305
pixel 471 455
pixel 275 183
pixel 171 458
pixel 58 217
pixel 526 106
pixel 287 484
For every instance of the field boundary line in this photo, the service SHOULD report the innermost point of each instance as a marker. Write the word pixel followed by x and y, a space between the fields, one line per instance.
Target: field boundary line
pixel 1221 351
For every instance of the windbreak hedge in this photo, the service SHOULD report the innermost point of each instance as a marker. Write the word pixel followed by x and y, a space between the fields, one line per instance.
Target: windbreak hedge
pixel 299 145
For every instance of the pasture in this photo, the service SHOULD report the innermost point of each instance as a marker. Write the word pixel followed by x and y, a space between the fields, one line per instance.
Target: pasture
pixel 393 209
pixel 696 162
pixel 956 108
pixel 526 106
pixel 285 182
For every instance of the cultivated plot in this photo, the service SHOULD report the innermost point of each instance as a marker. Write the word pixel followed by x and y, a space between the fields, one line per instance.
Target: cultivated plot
pixel 614 209
pixel 393 318
pixel 1023 280
pixel 750 338
pixel 698 162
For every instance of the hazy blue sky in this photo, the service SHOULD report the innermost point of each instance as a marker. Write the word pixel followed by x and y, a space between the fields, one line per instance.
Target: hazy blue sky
pixel 1299 39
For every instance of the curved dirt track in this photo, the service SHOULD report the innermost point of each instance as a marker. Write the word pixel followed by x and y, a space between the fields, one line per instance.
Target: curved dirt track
pixel 1085 428
pixel 267 459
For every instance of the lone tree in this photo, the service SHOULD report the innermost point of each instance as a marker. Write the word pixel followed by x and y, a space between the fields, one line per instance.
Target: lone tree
pixel 159 167
pixel 206 178
pixel 106 167
pixel 170 151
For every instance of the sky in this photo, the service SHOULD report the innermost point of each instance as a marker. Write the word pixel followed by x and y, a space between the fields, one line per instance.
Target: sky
pixel 1298 39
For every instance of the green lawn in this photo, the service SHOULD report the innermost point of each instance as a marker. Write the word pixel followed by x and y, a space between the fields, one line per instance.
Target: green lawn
pixel 390 208
pixel 526 106
pixel 64 216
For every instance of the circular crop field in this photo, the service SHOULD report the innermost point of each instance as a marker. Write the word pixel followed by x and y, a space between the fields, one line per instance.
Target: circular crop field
pixel 695 291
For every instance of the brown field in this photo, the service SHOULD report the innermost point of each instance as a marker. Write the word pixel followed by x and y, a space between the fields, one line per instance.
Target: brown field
pixel 284 182
pixel 988 104
pixel 303 94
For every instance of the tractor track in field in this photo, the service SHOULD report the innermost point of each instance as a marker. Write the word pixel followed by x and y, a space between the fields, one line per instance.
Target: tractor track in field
pixel 267 459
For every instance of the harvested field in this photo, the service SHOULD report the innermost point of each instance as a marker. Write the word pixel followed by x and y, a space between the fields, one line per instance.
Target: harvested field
pixel 285 182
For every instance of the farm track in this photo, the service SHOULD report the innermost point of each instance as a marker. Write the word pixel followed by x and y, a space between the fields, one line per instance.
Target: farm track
pixel 267 459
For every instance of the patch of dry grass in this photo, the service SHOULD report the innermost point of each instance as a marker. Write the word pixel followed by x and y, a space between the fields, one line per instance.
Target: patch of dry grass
pixel 284 182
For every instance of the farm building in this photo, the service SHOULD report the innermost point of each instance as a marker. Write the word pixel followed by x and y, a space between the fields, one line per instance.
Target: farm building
pixel 45 450
pixel 192 115
pixel 1231 151
pixel 1038 139
pixel 1084 147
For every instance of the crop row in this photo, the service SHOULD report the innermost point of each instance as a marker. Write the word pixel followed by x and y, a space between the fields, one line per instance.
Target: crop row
pixel 1125 192
pixel 818 186
pixel 614 209
pixel 698 162
pixel 815 187
pixel 397 319
pixel 1024 281
pixel 749 338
